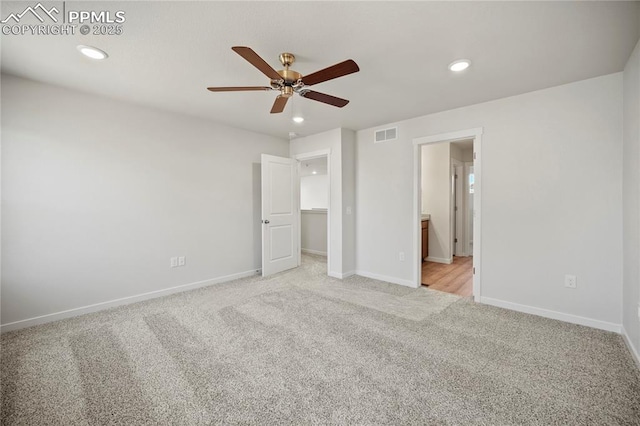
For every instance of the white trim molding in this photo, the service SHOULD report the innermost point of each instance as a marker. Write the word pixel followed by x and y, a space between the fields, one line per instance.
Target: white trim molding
pixel 392 280
pixel 450 136
pixel 342 275
pixel 546 313
pixel 446 261
pixel 313 154
pixel 634 352
pixel 56 316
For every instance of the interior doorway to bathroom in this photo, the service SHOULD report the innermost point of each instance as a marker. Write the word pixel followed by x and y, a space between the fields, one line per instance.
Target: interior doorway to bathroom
pixel 446 221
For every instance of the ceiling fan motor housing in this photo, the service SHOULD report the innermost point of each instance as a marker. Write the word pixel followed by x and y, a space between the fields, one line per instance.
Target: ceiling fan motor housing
pixel 290 78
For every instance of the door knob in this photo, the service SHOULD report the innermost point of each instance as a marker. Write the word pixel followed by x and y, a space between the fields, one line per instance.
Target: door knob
pixel 265 221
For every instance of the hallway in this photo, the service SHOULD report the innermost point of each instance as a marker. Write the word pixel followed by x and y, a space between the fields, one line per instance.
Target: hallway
pixel 456 278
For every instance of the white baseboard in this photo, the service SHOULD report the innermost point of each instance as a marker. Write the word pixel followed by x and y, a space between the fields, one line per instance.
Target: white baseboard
pixel 348 274
pixel 321 253
pixel 56 316
pixel 632 349
pixel 392 280
pixel 574 319
pixel 440 260
pixel 341 275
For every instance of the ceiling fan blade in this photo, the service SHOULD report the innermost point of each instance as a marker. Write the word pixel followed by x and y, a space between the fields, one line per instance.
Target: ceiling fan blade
pixel 255 60
pixel 323 97
pixel 279 104
pixel 338 70
pixel 238 89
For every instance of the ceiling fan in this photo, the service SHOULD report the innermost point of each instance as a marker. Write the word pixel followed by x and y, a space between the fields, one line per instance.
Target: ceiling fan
pixel 288 81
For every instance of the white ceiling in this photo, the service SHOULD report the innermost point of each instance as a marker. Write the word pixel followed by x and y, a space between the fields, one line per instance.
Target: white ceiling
pixel 171 51
pixel 464 145
pixel 317 165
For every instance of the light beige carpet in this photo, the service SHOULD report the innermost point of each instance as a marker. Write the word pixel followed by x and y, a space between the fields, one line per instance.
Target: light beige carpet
pixel 302 348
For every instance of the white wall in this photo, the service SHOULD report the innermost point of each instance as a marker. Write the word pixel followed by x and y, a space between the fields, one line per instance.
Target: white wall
pixel 98 194
pixel 631 199
pixel 456 152
pixel 436 198
pixel 314 231
pixel 314 192
pixel 467 155
pixel 551 202
pixel 348 145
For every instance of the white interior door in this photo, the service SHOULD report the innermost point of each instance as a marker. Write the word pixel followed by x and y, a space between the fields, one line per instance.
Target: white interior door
pixel 279 214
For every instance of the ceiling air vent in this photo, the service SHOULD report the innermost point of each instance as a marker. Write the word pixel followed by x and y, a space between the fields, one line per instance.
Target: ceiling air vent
pixel 386 135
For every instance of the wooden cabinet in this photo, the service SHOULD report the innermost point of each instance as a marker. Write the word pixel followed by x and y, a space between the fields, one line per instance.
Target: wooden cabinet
pixel 425 239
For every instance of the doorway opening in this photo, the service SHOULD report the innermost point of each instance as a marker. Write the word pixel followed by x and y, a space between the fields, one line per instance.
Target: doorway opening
pixel 446 264
pixel 447 212
pixel 315 200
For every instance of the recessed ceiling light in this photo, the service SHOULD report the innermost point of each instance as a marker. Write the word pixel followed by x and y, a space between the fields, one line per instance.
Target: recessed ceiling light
pixel 298 119
pixel 314 172
pixel 92 52
pixel 459 65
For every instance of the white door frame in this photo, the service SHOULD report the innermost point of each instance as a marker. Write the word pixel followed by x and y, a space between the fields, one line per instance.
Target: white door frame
pixel 476 135
pixel 468 210
pixel 310 156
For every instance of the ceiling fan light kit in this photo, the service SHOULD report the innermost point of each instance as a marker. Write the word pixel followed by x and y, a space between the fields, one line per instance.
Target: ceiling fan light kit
pixel 288 81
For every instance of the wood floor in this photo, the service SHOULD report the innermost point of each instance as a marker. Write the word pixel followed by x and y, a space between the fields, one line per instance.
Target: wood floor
pixel 456 278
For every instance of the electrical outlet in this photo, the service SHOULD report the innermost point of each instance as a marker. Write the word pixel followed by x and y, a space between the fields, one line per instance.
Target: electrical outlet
pixel 174 262
pixel 348 210
pixel 570 281
pixel 401 256
pixel 182 261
